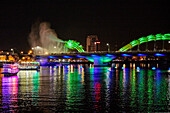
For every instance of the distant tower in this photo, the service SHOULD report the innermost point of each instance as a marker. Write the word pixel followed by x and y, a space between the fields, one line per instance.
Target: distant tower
pixel 92 43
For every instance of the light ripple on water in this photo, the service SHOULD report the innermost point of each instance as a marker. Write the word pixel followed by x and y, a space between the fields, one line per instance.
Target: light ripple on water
pixel 95 90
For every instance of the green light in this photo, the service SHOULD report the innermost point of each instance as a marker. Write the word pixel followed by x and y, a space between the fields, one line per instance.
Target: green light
pixel 71 44
pixel 150 89
pixel 103 58
pixel 121 82
pixel 91 60
pixel 107 60
pixel 166 36
pixel 144 40
pixel 141 89
pixel 74 90
pixel 158 36
pixel 134 43
pixel 35 87
pixel 133 89
pixel 151 38
pixel 126 47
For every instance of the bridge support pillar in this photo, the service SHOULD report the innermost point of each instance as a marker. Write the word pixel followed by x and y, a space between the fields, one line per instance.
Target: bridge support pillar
pixel 98 62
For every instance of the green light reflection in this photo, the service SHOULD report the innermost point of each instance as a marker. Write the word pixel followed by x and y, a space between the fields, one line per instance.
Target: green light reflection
pixel 35 87
pixel 75 89
pixel 150 90
pixel 133 90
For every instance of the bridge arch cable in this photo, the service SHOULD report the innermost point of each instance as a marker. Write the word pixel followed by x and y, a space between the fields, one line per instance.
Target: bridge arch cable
pixel 145 40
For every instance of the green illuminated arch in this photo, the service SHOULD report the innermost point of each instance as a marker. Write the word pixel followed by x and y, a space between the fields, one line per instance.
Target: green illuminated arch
pixel 145 39
pixel 71 44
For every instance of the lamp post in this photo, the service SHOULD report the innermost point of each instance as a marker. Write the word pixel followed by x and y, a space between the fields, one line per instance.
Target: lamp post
pixel 163 47
pixel 12 50
pixel 37 50
pixel 154 45
pixel 108 49
pixel 168 42
pixel 33 50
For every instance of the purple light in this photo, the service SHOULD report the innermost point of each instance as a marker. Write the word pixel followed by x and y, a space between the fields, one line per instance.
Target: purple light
pixel 10 68
pixel 9 91
pixel 38 57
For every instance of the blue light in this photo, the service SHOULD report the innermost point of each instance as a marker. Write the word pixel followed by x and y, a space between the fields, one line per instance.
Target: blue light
pixel 115 67
pixel 126 55
pixel 122 67
pixel 80 56
pixel 138 67
pixel 51 57
pixel 67 57
pixel 94 56
pixel 109 55
pixel 158 54
pixel 142 55
pixel 153 68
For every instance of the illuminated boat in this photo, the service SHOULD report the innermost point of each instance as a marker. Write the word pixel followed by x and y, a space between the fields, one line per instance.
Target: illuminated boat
pixel 29 66
pixel 10 69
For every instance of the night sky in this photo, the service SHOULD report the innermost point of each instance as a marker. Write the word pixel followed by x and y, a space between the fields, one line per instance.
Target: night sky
pixel 121 21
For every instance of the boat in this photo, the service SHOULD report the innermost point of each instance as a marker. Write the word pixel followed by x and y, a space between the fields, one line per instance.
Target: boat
pixel 10 69
pixel 28 65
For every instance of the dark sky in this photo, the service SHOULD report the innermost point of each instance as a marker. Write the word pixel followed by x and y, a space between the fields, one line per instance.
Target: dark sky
pixel 120 21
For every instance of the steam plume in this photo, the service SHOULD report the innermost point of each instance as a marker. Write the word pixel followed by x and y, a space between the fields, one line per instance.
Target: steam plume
pixel 45 37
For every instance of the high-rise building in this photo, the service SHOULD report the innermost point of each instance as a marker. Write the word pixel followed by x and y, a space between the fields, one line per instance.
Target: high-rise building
pixel 92 43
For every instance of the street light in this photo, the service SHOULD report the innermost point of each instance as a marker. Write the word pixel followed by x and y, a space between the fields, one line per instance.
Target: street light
pixel 36 49
pixel 108 47
pixel 12 50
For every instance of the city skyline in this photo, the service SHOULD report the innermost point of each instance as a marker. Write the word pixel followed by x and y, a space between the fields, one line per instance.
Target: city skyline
pixel 113 22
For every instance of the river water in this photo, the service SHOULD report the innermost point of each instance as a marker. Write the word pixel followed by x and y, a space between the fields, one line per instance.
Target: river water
pixel 82 88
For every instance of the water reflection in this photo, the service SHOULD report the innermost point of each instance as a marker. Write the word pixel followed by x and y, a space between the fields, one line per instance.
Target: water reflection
pixel 9 93
pixel 28 89
pixel 81 88
pixel 141 90
pixel 74 88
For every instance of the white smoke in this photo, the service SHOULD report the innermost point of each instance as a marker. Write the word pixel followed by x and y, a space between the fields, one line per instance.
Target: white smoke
pixel 43 36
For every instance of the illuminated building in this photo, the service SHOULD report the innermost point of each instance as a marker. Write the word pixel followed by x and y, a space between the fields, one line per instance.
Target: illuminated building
pixel 92 43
